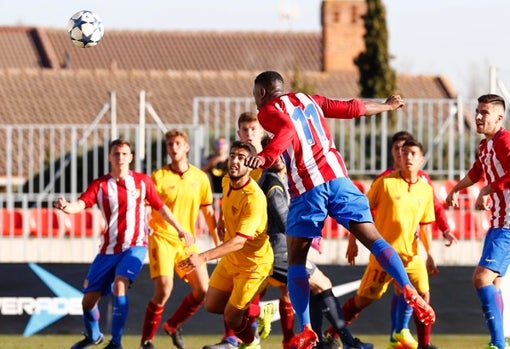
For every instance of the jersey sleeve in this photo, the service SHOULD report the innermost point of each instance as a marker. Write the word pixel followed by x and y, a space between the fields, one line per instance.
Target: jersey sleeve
pixel 338 109
pixel 206 191
pixel 279 124
pixel 152 195
pixel 373 193
pixel 89 196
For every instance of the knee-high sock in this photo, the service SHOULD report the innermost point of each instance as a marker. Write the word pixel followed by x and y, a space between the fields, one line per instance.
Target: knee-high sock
pixel 186 309
pixel 393 314
pixel 91 322
pixel 119 316
pixel 350 311
pixel 332 309
pixel 230 335
pixel 245 331
pixel 286 320
pixel 390 261
pixel 316 317
pixel 299 292
pixel 151 321
pixel 422 331
pixel 403 313
pixel 492 307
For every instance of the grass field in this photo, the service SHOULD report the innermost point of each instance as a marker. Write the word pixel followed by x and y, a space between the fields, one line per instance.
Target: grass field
pixel 196 342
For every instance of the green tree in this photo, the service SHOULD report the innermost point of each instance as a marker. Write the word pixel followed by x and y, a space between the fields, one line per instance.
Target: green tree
pixel 298 84
pixel 376 78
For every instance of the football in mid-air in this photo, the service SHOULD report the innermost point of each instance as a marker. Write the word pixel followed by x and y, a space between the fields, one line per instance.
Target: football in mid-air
pixel 85 29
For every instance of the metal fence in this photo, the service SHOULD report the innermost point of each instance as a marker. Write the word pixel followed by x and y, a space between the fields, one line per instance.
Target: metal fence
pixel 41 162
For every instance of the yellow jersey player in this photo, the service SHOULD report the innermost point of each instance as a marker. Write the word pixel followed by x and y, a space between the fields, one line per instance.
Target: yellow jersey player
pixel 186 190
pixel 246 254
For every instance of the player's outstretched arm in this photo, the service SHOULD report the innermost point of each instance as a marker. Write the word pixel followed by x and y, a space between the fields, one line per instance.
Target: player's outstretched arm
pixel 393 102
pixel 69 207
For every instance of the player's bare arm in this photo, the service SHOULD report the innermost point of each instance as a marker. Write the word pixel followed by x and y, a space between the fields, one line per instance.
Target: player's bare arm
pixel 167 214
pixel 393 102
pixel 69 207
pixel 452 199
pixel 352 250
pixel 197 259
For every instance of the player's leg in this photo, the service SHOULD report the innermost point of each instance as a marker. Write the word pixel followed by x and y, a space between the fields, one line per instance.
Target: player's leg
pixel 419 277
pixel 331 308
pixel 350 208
pixel 248 285
pixel 218 293
pixel 128 268
pixel 161 264
pixel 493 264
pixel 100 276
pixel 279 280
pixel 305 221
pixel 198 280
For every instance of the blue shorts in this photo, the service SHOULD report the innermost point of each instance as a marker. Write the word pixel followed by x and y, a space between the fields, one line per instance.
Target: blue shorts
pixel 338 198
pixel 106 267
pixel 496 250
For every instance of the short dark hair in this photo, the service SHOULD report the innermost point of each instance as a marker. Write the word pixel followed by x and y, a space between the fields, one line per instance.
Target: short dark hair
pixel 244 145
pixel 413 143
pixel 401 136
pixel 492 99
pixel 120 142
pixel 247 116
pixel 267 78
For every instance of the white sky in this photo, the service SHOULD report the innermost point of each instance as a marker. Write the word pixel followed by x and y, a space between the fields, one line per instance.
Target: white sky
pixel 460 39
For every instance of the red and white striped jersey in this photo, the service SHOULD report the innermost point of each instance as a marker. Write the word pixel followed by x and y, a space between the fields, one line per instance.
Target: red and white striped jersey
pixel 122 204
pixel 298 128
pixel 493 162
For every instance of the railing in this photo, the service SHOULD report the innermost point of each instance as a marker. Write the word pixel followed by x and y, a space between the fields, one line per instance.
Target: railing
pixel 42 162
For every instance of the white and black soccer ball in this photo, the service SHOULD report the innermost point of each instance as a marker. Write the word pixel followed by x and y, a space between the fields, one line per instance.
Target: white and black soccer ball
pixel 85 29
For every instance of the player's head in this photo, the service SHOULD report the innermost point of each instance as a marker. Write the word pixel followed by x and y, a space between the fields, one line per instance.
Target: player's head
pixel 239 151
pixel 120 154
pixel 267 85
pixel 177 145
pixel 412 155
pixel 249 129
pixel 221 145
pixel 490 113
pixel 397 141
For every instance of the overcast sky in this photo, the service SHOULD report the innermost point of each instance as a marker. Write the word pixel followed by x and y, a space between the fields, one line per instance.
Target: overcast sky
pixel 460 39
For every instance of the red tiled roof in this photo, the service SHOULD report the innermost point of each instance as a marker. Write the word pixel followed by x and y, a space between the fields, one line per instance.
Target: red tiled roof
pixel 178 50
pixel 75 96
pixel 45 79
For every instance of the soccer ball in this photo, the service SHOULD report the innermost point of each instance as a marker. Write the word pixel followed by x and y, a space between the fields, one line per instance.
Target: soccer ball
pixel 85 29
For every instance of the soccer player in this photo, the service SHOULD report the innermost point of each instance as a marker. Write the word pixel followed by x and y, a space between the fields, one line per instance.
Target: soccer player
pixel 319 185
pixel 397 141
pixel 186 190
pixel 249 131
pixel 246 254
pixel 323 301
pixel 493 163
pixel 121 195
pixel 401 201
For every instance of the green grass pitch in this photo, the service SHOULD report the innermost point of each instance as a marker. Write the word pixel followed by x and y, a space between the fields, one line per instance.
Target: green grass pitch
pixel 197 342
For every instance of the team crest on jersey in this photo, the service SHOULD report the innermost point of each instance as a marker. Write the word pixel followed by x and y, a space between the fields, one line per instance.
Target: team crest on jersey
pixel 135 193
pixel 235 210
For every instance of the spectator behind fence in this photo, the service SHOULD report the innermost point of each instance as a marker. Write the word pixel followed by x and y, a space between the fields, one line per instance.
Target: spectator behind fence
pixel 216 164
